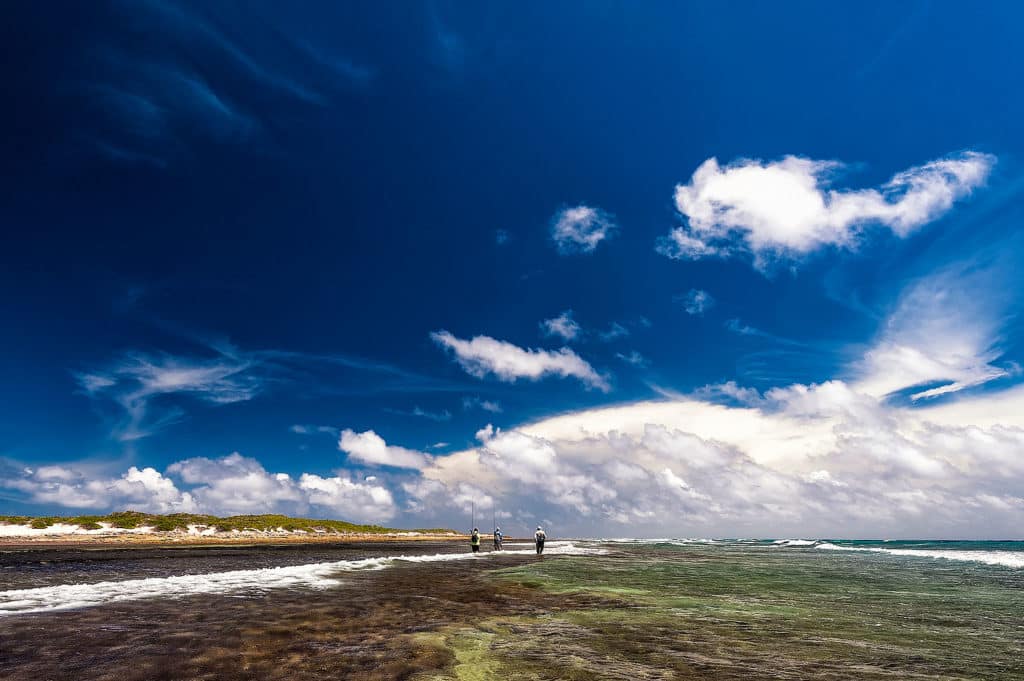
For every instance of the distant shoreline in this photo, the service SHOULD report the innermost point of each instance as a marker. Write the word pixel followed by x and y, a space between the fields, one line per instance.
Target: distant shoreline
pixel 129 528
pixel 175 538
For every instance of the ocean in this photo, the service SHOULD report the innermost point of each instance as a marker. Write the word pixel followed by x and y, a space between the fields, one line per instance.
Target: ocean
pixel 589 609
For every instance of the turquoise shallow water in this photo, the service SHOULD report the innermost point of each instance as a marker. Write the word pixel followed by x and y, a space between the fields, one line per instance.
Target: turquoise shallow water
pixel 997 553
pixel 797 609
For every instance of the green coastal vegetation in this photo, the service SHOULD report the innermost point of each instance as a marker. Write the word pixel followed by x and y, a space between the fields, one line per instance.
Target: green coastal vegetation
pixel 181 521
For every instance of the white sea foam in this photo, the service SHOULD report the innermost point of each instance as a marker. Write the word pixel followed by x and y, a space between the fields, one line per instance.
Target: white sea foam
pixel 660 540
pixel 1012 559
pixel 795 542
pixel 314 576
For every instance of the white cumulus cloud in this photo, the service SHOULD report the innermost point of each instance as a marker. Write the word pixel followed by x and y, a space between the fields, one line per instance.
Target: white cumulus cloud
pixel 229 485
pixel 237 484
pixel 144 489
pixel 370 448
pixel 787 208
pixel 483 355
pixel 809 459
pixel 347 498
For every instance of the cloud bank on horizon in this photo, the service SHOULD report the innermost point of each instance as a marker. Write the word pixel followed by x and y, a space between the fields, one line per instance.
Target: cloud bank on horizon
pixel 807 460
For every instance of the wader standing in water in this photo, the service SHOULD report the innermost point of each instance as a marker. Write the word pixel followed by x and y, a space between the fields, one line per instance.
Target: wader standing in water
pixel 474 540
pixel 539 537
pixel 497 539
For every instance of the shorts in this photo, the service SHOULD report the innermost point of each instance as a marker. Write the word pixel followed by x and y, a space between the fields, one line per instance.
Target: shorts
pixel 476 548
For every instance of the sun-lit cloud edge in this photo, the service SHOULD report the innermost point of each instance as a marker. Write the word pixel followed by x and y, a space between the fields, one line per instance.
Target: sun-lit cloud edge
pixel 786 209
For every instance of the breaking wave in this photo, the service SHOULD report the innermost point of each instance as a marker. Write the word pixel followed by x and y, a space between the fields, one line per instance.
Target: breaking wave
pixel 796 542
pixel 1004 558
pixel 663 540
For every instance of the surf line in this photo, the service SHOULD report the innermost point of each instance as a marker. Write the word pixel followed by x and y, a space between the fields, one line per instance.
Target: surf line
pixel 258 581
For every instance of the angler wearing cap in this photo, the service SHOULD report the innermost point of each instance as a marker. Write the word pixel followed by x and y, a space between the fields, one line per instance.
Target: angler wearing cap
pixel 539 538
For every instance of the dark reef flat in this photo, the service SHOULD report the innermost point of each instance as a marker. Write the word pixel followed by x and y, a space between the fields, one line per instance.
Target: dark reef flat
pixel 635 613
pixel 369 627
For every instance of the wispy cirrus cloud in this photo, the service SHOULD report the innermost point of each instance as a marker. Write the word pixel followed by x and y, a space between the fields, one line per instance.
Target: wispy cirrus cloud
pixel 136 380
pixel 476 402
pixel 944 335
pixel 580 229
pixel 786 208
pixel 483 355
pixel 144 392
pixel 695 301
pixel 305 429
pixel 450 50
pixel 634 358
pixel 741 328
pixel 419 412
pixel 614 331
pixel 172 79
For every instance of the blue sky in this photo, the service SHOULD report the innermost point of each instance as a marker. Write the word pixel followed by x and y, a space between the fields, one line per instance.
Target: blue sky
pixel 345 261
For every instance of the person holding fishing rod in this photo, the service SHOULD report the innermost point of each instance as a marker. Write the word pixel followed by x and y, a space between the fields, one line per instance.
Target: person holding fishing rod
pixel 497 530
pixel 474 540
